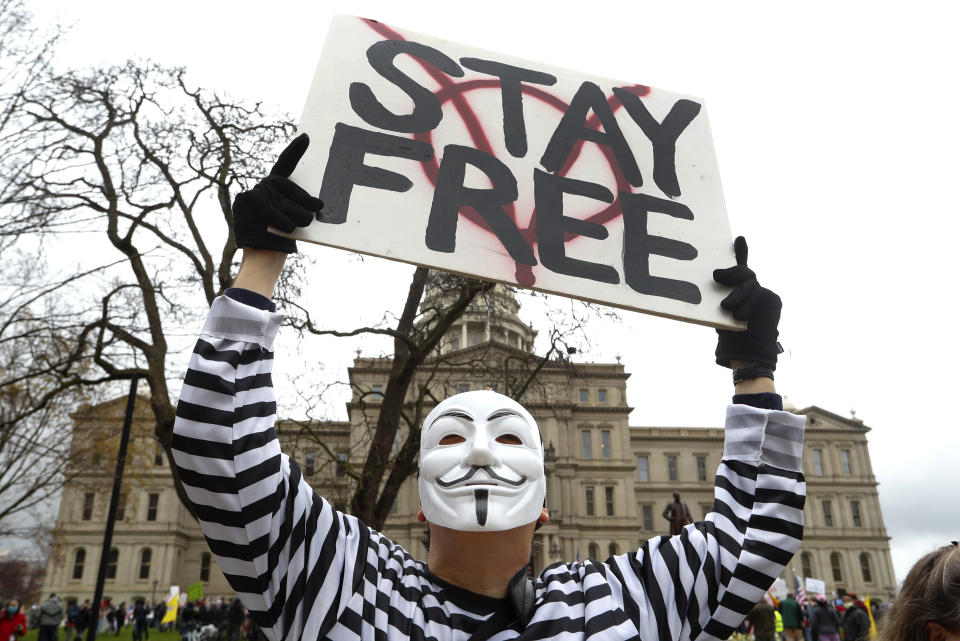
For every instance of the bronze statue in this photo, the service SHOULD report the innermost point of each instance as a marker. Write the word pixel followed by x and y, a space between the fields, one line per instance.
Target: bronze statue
pixel 678 514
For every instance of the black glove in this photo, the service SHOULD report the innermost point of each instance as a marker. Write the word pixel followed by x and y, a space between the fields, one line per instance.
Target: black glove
pixel 756 305
pixel 276 201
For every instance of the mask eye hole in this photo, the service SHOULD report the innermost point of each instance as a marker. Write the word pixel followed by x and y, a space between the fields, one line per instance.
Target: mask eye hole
pixel 452 439
pixel 509 439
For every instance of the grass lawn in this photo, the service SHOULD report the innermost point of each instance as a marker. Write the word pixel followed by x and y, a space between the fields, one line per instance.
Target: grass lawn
pixel 126 634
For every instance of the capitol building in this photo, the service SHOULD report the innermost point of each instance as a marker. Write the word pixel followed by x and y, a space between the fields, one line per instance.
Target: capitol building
pixel 607 481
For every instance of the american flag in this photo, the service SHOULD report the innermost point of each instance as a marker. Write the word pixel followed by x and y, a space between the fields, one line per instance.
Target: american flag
pixel 798 588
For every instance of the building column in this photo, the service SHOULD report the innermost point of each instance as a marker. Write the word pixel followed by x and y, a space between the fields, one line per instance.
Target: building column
pixel 463 334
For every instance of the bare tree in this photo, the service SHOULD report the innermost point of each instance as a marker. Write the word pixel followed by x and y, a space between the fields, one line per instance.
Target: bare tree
pixel 21 579
pixel 132 171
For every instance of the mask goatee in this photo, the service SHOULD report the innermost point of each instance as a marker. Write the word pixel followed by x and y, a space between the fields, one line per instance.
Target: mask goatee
pixel 480 497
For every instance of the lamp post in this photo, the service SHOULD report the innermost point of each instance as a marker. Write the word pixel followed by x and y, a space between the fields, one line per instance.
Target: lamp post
pixel 153 598
pixel 112 510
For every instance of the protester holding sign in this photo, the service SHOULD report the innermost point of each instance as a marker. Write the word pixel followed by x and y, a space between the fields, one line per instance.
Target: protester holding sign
pixel 306 570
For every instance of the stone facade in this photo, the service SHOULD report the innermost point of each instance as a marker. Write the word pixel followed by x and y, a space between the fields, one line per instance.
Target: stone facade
pixel 608 482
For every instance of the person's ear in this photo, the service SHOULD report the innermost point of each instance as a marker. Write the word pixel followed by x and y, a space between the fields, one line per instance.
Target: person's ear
pixel 544 517
pixel 420 516
pixel 936 632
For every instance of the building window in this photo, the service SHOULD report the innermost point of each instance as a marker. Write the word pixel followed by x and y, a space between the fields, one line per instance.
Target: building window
pixel 455 343
pixel 845 462
pixel 593 551
pixel 806 564
pixel 463 387
pixel 613 548
pixel 647 512
pixel 835 567
pixel 153 501
pixel 87 506
pixel 672 468
pixel 96 458
pixel 818 462
pixel 705 510
pixel 341 464
pixel 145 556
pixel 608 499
pixel 158 458
pixel 589 494
pixel 377 392
pixel 311 464
pixel 601 396
pixel 701 468
pixel 865 569
pixel 643 468
pixel 855 512
pixel 121 507
pixel 79 558
pixel 585 445
pixel 828 513
pixel 112 559
pixel 584 395
pixel 205 566
pixel 395 507
pixel 604 443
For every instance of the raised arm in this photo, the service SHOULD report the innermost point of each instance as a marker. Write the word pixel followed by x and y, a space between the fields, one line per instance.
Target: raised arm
pixel 701 583
pixel 286 551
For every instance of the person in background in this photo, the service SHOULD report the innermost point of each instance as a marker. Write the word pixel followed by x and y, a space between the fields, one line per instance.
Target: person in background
pixel 83 620
pixel 51 614
pixel 824 622
pixel 140 612
pixel 792 615
pixel 159 610
pixel 234 620
pixel 12 622
pixel 119 618
pixel 764 622
pixel 855 621
pixel 928 605
pixel 70 627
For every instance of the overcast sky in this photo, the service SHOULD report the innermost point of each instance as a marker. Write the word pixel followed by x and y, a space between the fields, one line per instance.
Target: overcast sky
pixel 837 141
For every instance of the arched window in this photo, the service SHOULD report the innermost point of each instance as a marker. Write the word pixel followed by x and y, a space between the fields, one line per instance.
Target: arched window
pixel 865 568
pixel 594 551
pixel 205 566
pixel 112 563
pixel 78 560
pixel 613 548
pixel 145 557
pixel 806 564
pixel 835 566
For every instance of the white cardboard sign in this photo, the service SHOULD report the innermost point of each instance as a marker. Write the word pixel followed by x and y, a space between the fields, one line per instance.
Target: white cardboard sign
pixel 460 159
pixel 816 586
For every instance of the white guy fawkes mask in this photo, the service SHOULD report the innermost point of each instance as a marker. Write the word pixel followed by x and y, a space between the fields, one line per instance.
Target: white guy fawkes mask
pixel 481 464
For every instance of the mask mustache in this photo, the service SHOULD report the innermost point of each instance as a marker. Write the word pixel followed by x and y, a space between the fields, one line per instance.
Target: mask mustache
pixel 476 468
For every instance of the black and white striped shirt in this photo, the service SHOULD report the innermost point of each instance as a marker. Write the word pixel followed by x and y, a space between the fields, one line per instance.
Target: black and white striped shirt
pixel 305 570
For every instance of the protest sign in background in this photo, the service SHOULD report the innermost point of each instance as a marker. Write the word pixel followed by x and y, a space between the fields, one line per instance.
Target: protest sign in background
pixel 816 586
pixel 452 157
pixel 195 591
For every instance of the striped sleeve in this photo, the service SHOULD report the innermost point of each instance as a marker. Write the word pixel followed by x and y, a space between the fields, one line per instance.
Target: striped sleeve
pixel 701 583
pixel 289 555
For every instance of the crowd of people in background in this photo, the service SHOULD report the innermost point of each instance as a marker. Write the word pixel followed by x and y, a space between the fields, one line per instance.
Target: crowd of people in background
pixel 202 620
pixel 843 619
pixel 927 608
